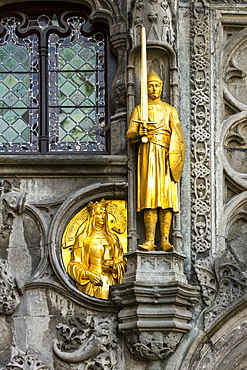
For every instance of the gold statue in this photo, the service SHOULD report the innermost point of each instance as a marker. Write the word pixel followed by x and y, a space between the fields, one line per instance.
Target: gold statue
pixel 97 260
pixel 160 162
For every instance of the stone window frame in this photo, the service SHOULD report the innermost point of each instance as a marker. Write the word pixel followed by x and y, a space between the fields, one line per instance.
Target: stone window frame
pixel 109 61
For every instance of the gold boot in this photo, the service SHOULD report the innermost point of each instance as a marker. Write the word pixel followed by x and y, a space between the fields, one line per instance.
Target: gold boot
pixel 165 219
pixel 150 221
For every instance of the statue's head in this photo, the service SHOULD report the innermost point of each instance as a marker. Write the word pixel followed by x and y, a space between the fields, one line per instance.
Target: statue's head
pixel 97 211
pixel 154 85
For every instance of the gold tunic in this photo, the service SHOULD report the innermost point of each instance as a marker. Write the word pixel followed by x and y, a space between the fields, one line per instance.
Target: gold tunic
pixel 155 185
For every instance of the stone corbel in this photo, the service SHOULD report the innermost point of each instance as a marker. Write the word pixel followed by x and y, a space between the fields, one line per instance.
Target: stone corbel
pixel 154 302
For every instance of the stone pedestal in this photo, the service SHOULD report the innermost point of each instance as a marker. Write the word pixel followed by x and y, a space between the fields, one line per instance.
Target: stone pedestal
pixel 154 302
pixel 155 267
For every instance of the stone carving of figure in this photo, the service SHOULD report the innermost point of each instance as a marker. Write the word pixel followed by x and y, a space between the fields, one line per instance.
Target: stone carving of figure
pixel 160 163
pixel 97 260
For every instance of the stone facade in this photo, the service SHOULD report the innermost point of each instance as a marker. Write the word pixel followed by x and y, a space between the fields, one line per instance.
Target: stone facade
pixel 181 311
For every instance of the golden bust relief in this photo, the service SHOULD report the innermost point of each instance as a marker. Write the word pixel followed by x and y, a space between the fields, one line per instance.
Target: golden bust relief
pixel 93 250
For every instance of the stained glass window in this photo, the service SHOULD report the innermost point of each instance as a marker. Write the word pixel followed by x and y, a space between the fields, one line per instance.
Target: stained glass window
pixel 18 90
pixel 52 85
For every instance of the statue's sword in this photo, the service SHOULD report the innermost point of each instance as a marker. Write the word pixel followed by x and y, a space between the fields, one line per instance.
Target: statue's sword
pixel 144 90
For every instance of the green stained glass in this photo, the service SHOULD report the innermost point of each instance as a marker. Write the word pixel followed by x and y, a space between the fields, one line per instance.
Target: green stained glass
pixel 3 55
pixel 77 133
pixel 20 68
pixel 78 47
pixel 10 116
pixel 10 135
pixel 77 62
pixel 77 97
pixel 10 81
pixel 3 90
pixel 65 75
pixel 68 124
pixel 62 78
pixel 10 99
pixel 21 55
pixel 20 89
pixel 3 68
pixel 61 97
pixel 25 134
pixel 10 48
pixel 19 125
pixel 76 115
pixel 87 67
pixel 89 54
pixel 87 88
pixel 66 55
pixel 4 125
pixel 68 88
pixel 26 64
pixel 66 67
pixel 16 56
pixel 11 63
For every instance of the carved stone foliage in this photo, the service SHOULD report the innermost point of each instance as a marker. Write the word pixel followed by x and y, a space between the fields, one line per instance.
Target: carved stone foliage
pixel 200 102
pixel 153 346
pixel 223 284
pixel 91 340
pixel 25 362
pixel 157 18
pixel 11 202
pixel 9 296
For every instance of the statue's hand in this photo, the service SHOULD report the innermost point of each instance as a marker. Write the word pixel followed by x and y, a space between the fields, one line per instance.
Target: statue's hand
pixel 143 131
pixel 95 278
pixel 107 266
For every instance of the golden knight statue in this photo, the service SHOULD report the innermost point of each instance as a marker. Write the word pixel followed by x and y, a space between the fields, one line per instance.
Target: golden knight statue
pixel 160 163
pixel 97 260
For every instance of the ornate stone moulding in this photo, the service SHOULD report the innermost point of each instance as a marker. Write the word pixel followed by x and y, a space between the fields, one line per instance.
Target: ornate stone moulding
pixel 224 287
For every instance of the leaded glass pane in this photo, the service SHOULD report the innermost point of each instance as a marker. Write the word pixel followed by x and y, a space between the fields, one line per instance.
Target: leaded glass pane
pixel 77 90
pixel 18 90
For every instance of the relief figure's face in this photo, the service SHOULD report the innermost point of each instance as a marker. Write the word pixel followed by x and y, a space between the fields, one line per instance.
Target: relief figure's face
pixel 100 216
pixel 154 89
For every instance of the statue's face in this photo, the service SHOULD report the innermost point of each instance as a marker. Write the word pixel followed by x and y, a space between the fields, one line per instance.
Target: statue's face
pixel 154 89
pixel 100 216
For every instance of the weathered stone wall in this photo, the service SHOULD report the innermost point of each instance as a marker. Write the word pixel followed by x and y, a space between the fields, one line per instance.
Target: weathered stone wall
pixel 199 48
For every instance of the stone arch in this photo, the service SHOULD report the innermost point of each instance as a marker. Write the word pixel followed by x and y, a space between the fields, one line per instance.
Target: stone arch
pixel 224 346
pixel 34 217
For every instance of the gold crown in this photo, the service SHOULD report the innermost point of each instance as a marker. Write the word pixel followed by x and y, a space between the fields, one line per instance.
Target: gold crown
pixel 152 76
pixel 92 207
